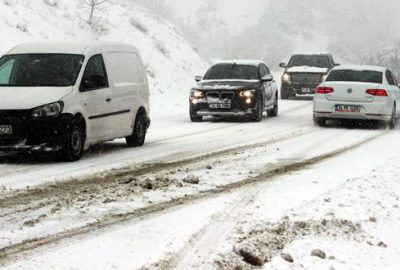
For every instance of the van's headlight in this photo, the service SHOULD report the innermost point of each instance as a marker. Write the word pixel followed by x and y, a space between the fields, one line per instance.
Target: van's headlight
pixel 247 93
pixel 286 78
pixel 53 109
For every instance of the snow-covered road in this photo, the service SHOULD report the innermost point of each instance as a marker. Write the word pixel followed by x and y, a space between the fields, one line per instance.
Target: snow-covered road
pixel 197 190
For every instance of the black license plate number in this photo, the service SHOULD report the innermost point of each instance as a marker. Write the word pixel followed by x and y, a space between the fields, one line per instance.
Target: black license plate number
pixel 6 130
pixel 220 106
pixel 348 108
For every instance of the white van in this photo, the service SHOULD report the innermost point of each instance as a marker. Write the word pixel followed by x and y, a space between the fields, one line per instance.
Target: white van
pixel 68 96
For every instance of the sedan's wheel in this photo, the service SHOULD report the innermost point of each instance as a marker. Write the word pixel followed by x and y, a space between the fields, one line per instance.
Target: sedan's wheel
pixel 74 142
pixel 318 121
pixel 139 131
pixel 392 122
pixel 258 112
pixel 274 111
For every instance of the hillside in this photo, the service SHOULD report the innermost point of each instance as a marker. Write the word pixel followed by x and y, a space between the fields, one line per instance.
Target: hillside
pixel 170 60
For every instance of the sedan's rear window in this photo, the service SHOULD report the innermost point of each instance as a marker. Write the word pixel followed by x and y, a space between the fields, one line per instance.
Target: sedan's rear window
pixel 347 75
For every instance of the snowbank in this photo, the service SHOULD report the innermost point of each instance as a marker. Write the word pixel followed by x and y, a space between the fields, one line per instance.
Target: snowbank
pixel 170 60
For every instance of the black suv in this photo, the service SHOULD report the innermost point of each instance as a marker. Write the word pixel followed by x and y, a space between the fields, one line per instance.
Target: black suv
pixel 235 88
pixel 304 73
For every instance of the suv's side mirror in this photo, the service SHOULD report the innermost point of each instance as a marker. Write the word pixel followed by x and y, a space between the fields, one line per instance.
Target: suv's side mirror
pixel 198 78
pixel 93 82
pixel 336 65
pixel 283 65
pixel 267 78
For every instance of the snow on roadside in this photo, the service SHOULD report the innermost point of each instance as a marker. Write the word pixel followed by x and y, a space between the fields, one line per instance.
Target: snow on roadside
pixel 170 60
pixel 355 225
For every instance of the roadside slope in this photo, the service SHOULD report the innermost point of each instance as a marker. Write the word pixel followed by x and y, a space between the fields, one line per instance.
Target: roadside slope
pixel 170 60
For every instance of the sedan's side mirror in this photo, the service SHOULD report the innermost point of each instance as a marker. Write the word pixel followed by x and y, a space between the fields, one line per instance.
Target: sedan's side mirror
pixel 267 78
pixel 283 65
pixel 198 78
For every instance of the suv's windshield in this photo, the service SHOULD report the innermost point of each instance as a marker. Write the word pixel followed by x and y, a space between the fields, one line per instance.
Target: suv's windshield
pixel 347 75
pixel 232 72
pixel 39 70
pixel 321 61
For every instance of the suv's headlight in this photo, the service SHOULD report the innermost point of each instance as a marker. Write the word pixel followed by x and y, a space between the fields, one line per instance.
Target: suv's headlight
pixel 53 109
pixel 286 77
pixel 247 93
pixel 197 94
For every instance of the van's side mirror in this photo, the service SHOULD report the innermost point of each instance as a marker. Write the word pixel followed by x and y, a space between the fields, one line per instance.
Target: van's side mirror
pixel 93 82
pixel 283 65
pixel 267 78
pixel 198 78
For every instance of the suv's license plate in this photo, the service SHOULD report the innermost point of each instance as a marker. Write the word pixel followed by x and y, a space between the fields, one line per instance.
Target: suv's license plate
pixel 306 90
pixel 6 130
pixel 220 106
pixel 348 108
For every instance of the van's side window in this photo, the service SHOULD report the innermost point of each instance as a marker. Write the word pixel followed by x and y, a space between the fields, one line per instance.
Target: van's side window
pixel 6 69
pixel 95 76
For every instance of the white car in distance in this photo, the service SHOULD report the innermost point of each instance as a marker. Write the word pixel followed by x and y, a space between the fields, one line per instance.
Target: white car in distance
pixel 359 93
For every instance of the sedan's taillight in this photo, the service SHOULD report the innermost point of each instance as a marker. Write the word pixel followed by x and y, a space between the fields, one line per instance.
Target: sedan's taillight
pixel 324 90
pixel 377 92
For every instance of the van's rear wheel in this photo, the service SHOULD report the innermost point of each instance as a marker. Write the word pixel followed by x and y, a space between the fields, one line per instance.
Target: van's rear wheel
pixel 139 131
pixel 74 142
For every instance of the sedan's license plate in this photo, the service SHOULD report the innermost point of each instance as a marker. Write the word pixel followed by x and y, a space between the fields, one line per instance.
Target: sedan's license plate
pixel 6 130
pixel 220 106
pixel 348 108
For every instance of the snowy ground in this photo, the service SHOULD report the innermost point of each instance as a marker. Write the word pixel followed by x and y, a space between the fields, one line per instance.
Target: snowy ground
pixel 211 195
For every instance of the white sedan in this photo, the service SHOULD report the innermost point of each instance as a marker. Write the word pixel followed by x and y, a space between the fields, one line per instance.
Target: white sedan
pixel 358 92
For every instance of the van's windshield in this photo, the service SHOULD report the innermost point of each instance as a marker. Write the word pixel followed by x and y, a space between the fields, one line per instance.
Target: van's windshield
pixel 40 70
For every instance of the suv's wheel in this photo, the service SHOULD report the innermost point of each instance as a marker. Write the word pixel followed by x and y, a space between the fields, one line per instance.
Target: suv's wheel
pixel 274 111
pixel 319 121
pixel 392 122
pixel 74 142
pixel 284 93
pixel 194 117
pixel 258 112
pixel 139 131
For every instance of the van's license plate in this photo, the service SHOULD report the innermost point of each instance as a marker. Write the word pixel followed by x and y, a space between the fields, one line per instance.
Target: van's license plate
pixel 6 130
pixel 348 108
pixel 219 105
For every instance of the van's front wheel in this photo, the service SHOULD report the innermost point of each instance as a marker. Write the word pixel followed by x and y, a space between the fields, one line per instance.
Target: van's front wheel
pixel 139 131
pixel 74 142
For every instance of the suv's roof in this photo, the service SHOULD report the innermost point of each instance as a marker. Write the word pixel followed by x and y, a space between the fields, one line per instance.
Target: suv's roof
pixel 70 47
pixel 360 67
pixel 312 54
pixel 241 62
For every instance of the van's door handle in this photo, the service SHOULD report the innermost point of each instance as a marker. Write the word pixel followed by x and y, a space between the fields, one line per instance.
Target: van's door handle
pixel 108 99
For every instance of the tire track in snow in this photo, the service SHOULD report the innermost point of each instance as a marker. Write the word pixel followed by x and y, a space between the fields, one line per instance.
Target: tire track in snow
pixel 20 249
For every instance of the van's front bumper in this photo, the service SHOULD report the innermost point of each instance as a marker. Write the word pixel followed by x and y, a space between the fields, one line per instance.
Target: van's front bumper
pixel 29 134
pixel 379 110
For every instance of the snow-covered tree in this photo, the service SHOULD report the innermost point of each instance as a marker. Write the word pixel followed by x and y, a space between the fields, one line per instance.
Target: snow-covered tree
pixel 93 6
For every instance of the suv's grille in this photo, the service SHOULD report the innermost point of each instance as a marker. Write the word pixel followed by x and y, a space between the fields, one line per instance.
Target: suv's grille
pixel 306 78
pixel 222 96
